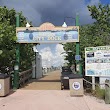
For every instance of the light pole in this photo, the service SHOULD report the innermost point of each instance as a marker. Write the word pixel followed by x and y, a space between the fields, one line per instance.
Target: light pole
pixel 78 63
pixel 17 62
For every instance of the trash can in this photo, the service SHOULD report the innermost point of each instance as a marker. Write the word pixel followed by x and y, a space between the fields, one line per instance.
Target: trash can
pixel 4 84
pixel 66 71
pixel 76 85
pixel 107 91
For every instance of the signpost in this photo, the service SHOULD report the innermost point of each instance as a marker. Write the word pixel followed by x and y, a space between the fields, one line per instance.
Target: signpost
pixel 78 57
pixel 78 63
pixel 16 67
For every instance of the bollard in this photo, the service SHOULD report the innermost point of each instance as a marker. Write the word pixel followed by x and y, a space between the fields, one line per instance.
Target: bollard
pixel 4 84
pixel 107 91
pixel 76 85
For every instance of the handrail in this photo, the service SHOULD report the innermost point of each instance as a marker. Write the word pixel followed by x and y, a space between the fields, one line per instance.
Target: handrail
pixel 24 77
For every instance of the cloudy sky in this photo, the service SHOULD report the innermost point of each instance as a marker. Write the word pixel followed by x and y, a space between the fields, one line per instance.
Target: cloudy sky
pixel 52 54
pixel 39 11
pixel 54 11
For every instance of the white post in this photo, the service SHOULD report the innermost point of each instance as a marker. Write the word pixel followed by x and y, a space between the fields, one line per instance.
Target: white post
pixel 33 69
pixel 93 82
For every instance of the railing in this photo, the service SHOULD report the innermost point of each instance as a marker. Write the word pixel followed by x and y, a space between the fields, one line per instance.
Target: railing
pixel 24 77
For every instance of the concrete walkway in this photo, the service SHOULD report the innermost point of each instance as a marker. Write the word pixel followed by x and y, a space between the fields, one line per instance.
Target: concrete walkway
pixel 51 81
pixel 49 100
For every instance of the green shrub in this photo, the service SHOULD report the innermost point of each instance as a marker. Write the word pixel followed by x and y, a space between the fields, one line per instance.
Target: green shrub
pixel 100 93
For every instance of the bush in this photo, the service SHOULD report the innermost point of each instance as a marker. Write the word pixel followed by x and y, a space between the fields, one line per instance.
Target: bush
pixel 99 93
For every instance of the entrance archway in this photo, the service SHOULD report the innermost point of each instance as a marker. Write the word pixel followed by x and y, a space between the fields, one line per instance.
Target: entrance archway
pixel 45 33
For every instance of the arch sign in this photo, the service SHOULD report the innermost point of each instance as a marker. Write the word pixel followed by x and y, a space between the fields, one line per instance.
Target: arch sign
pixel 47 33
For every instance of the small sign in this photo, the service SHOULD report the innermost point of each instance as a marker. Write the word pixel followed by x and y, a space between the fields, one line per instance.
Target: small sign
pixel 77 57
pixel 76 85
pixel 1 52
pixel 16 67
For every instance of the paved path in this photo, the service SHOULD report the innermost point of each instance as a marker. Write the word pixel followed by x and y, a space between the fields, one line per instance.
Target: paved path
pixel 45 94
pixel 48 82
pixel 49 100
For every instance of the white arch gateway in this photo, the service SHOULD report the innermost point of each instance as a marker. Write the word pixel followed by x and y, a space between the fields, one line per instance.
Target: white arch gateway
pixel 45 33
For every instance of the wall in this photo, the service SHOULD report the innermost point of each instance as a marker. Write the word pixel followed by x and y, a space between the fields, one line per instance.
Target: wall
pixel 37 67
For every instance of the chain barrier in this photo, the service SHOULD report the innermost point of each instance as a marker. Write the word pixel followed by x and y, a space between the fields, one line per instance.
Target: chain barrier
pixel 108 84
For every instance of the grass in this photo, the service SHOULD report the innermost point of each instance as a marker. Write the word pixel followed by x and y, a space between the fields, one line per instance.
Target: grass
pixel 99 93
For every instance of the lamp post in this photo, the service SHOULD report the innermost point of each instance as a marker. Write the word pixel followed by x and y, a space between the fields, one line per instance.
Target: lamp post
pixel 16 67
pixel 78 63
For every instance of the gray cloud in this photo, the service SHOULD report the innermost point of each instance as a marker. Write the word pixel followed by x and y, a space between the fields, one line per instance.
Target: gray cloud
pixel 39 11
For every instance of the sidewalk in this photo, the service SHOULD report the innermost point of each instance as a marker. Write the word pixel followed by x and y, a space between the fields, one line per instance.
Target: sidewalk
pixel 48 82
pixel 49 100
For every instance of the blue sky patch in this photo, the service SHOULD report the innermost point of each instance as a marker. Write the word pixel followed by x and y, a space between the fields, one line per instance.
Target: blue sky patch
pixel 105 1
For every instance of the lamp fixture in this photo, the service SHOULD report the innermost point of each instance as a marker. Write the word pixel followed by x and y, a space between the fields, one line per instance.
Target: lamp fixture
pixel 28 25
pixel 64 24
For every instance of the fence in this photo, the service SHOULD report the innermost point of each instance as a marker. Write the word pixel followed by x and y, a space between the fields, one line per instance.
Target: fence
pixel 24 77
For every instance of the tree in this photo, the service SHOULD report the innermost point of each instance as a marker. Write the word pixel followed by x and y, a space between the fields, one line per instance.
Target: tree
pixel 8 41
pixel 102 25
pixel 96 34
